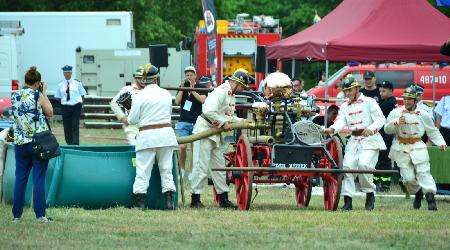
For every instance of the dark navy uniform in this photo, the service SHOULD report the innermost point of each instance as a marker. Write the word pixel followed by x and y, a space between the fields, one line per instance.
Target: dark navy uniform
pixel 384 162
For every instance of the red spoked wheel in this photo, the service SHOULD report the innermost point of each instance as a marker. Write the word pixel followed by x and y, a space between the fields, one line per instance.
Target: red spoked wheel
pixel 243 182
pixel 303 188
pixel 332 182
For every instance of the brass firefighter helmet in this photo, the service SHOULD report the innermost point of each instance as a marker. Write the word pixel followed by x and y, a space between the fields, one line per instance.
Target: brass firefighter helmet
pixel 241 76
pixel 150 73
pixel 350 82
pixel 410 92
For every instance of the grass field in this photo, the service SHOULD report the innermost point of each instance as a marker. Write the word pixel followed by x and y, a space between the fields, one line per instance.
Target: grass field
pixel 274 222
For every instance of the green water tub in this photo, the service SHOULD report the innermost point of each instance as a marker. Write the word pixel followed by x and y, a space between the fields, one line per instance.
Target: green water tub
pixel 90 177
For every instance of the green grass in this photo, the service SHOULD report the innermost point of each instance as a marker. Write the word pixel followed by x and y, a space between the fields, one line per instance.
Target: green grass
pixel 274 222
pixel 91 136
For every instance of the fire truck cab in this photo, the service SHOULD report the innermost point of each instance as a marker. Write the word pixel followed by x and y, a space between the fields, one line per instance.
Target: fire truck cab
pixel 237 43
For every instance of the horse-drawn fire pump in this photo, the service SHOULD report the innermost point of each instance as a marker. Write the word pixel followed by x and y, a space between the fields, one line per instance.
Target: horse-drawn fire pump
pixel 283 146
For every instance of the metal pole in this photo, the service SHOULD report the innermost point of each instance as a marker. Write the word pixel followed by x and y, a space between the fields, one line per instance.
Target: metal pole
pixel 433 72
pixel 306 170
pixel 293 69
pixel 325 120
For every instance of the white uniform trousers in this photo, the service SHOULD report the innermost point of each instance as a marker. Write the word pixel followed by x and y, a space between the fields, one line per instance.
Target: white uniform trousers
pixel 131 131
pixel 416 176
pixel 358 158
pixel 144 164
pixel 207 155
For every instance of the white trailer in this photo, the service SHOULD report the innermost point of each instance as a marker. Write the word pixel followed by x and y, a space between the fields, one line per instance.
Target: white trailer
pixel 52 38
pixel 104 72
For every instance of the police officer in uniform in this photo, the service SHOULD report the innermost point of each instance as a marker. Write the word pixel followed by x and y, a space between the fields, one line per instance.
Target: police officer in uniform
pixel 121 113
pixel 218 112
pixel 387 104
pixel 151 112
pixel 370 88
pixel 70 92
pixel 408 123
pixel 364 119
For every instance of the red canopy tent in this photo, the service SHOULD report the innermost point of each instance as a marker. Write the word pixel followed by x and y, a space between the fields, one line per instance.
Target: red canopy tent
pixel 371 30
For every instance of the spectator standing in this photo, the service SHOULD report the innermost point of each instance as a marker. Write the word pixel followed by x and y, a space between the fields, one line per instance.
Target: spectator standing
pixel 443 118
pixel 387 104
pixel 298 85
pixel 24 103
pixel 70 92
pixel 370 88
pixel 190 108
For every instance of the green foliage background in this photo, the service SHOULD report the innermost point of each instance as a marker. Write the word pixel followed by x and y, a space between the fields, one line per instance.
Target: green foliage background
pixel 170 21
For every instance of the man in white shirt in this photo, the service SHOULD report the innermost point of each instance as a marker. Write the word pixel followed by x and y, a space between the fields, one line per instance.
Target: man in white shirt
pixel 151 112
pixel 121 113
pixel 70 93
pixel 364 118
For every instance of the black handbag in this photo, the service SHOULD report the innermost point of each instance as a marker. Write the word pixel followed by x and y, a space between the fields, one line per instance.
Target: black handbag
pixel 45 145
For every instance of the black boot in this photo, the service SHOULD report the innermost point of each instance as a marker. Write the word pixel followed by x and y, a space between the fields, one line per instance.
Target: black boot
pixel 431 201
pixel 347 203
pixel 195 201
pixel 169 200
pixel 370 201
pixel 139 201
pixel 418 199
pixel 224 202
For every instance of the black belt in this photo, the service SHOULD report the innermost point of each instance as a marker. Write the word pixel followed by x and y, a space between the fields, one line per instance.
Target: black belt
pixel 206 119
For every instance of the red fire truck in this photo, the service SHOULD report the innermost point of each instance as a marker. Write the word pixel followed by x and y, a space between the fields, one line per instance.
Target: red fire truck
pixel 236 47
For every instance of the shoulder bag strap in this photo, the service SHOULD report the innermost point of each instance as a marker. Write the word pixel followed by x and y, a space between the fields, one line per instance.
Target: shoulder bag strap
pixel 36 99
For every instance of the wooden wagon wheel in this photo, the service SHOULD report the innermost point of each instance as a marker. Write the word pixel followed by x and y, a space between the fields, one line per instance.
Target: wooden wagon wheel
pixel 243 182
pixel 332 182
pixel 303 188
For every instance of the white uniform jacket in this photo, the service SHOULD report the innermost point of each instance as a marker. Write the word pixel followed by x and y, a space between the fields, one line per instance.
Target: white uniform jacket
pixel 417 123
pixel 219 108
pixel 428 109
pixel 151 106
pixel 115 107
pixel 361 114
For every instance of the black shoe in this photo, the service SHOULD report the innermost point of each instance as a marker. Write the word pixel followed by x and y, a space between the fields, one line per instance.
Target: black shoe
pixel 224 202
pixel 370 201
pixel 195 201
pixel 347 203
pixel 139 201
pixel 169 200
pixel 418 199
pixel 431 201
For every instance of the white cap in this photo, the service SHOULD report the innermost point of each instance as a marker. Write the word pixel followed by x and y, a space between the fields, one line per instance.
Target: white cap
pixel 190 68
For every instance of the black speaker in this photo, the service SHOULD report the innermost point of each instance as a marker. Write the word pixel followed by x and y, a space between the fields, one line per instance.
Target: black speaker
pixel 261 59
pixel 158 55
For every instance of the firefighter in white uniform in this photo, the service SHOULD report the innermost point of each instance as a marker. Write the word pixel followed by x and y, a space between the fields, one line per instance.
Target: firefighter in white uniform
pixel 364 119
pixel 408 123
pixel 151 111
pixel 218 111
pixel 121 113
